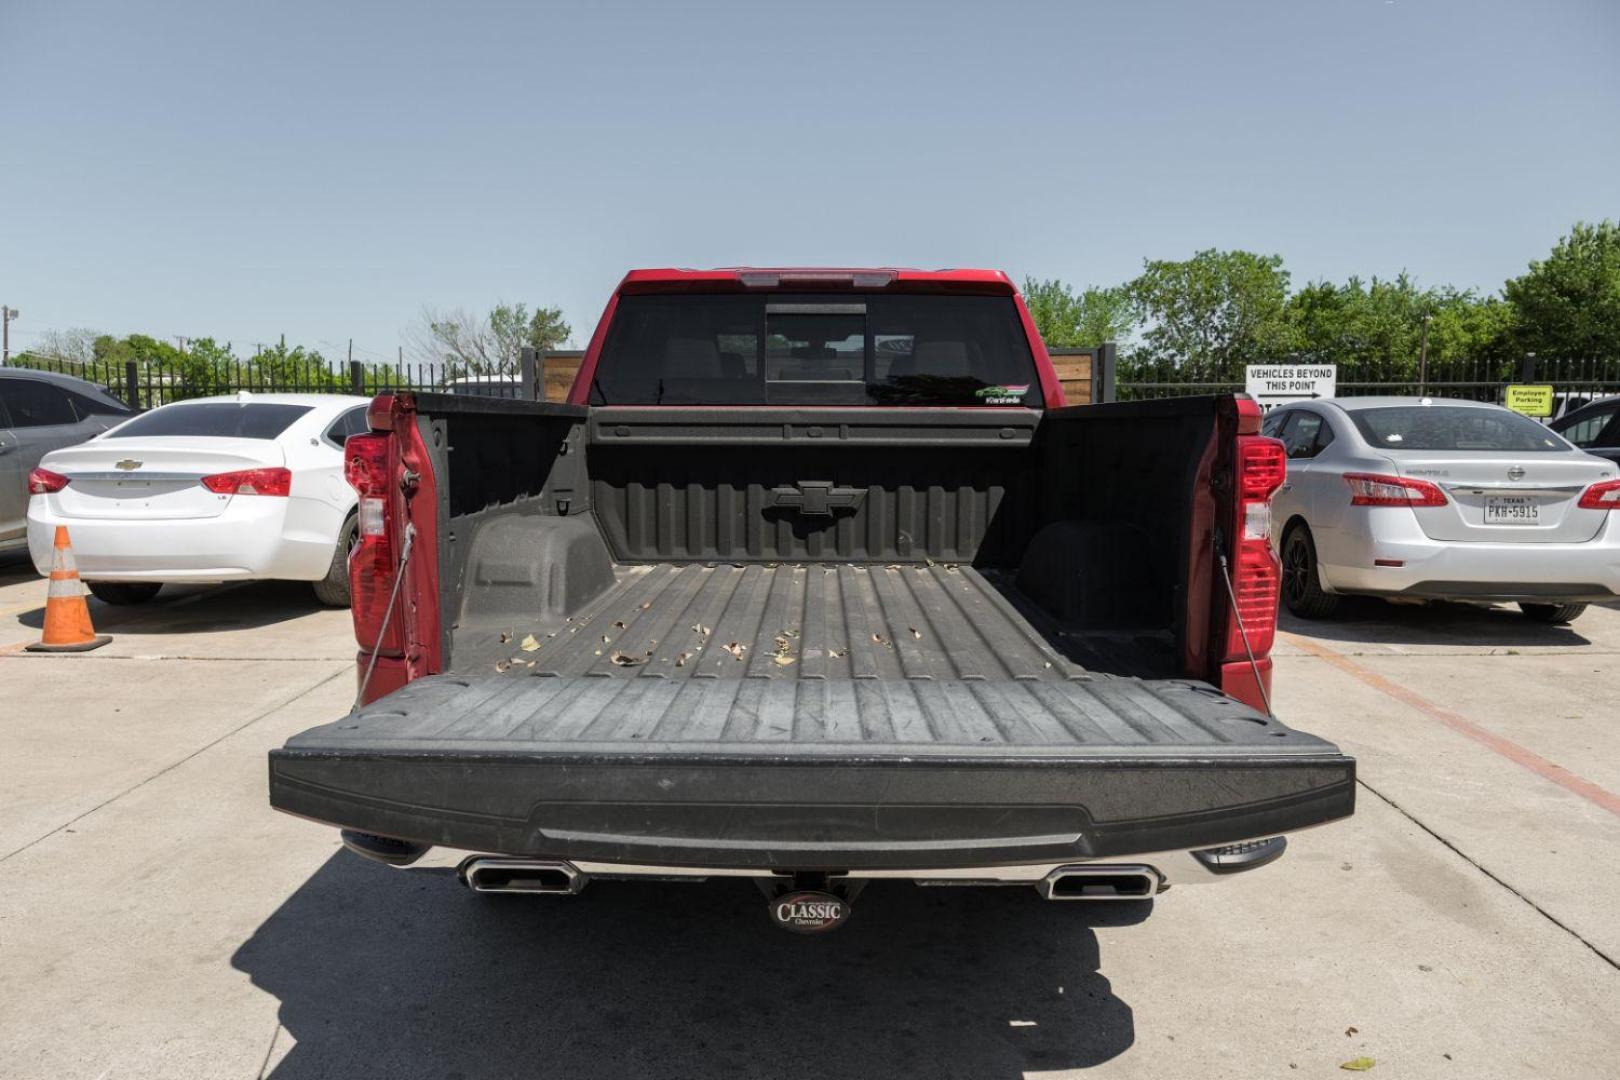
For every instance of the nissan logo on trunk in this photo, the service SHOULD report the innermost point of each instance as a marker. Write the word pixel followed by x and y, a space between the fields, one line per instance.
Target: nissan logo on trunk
pixel 809 912
pixel 1516 473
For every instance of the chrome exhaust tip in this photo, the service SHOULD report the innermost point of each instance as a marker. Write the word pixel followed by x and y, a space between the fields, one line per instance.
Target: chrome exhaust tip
pixel 491 874
pixel 1099 882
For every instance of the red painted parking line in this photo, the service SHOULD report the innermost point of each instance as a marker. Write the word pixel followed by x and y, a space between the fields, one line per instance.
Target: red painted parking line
pixel 1507 748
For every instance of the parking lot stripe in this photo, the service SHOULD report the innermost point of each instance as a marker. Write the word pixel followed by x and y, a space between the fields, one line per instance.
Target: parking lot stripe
pixel 1519 755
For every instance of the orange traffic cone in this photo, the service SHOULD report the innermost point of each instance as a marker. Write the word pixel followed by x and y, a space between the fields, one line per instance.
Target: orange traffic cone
pixel 67 616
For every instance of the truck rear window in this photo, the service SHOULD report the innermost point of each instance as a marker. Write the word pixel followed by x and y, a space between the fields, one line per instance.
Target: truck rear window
pixel 816 349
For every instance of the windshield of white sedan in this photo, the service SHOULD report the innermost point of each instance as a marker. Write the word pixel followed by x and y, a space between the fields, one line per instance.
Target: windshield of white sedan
pixel 213 419
pixel 816 349
pixel 1437 427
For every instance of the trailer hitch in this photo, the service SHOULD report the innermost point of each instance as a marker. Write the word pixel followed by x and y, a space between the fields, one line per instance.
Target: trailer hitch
pixel 808 903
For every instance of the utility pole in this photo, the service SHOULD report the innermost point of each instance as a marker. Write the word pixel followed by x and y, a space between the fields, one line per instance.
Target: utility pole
pixel 1423 358
pixel 182 341
pixel 6 315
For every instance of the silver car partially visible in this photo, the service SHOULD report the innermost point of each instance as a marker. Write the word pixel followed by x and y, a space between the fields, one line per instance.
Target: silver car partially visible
pixel 1433 499
pixel 41 411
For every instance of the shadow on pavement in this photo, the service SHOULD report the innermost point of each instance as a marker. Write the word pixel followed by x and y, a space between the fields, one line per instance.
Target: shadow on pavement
pixel 384 973
pixel 1365 619
pixel 16 566
pixel 183 609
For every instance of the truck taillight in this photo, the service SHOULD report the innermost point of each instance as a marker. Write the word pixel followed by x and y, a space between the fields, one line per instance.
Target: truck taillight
pixel 1601 496
pixel 44 482
pixel 1262 465
pixel 276 482
pixel 1376 489
pixel 365 464
pixel 366 467
pixel 380 413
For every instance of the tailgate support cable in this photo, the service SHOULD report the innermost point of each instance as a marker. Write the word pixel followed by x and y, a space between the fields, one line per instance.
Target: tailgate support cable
pixel 1243 631
pixel 388 612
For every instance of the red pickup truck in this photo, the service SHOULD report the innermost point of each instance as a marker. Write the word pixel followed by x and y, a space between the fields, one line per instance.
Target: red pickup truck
pixel 816 580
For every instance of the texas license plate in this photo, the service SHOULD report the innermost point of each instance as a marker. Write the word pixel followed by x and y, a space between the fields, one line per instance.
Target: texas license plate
pixel 1512 510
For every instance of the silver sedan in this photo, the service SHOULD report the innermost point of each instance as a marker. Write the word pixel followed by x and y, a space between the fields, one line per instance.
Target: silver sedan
pixel 1433 499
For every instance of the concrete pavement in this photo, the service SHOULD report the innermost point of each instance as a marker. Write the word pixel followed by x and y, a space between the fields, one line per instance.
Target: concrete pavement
pixel 157 920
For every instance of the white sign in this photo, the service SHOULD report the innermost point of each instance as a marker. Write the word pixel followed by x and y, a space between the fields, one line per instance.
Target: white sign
pixel 1278 384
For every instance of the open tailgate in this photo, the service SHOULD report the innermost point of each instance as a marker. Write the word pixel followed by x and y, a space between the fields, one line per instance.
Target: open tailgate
pixel 812 774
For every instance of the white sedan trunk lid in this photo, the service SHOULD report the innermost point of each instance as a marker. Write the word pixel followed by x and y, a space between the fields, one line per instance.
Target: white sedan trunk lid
pixel 1507 497
pixel 155 478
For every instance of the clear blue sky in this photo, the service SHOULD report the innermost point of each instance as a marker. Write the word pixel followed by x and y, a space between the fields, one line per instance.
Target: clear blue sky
pixel 325 169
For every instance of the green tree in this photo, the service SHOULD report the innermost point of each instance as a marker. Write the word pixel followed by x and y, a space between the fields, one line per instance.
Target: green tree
pixel 205 367
pixel 1567 306
pixel 277 367
pixel 1209 315
pixel 1376 327
pixel 1067 318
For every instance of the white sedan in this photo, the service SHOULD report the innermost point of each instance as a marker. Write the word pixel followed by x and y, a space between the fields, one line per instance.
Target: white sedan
pixel 1429 499
pixel 216 489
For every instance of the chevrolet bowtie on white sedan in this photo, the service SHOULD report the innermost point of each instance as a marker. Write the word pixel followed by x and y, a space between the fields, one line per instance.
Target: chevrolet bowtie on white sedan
pixel 237 488
pixel 1430 499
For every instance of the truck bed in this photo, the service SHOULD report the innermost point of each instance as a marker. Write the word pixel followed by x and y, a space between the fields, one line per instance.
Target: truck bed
pixel 938 621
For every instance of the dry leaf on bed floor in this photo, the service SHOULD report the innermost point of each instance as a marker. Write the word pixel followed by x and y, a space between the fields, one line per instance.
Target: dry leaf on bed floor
pixel 528 644
pixel 626 660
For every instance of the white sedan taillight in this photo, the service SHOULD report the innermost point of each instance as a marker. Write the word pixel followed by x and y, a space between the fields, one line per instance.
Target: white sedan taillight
pixel 44 482
pixel 1602 496
pixel 1377 489
pixel 276 481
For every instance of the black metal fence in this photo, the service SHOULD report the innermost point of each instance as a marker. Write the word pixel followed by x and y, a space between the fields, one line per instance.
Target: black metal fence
pixel 146 385
pixel 1573 381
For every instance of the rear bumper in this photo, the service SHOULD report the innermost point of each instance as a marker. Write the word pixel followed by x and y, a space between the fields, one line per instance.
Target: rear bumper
pixel 283 538
pixel 1169 867
pixel 834 813
pixel 1435 569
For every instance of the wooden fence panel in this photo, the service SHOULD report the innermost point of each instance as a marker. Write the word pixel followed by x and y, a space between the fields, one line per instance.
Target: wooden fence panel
pixel 1073 367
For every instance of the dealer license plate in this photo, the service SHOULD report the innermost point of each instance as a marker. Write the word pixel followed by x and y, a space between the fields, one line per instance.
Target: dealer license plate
pixel 1512 510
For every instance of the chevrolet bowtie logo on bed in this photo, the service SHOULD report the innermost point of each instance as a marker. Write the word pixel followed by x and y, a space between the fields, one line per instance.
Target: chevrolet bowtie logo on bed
pixel 127 464
pixel 815 498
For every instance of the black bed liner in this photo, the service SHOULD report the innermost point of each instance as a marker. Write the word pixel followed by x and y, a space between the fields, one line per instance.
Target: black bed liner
pixel 811 621
pixel 808 774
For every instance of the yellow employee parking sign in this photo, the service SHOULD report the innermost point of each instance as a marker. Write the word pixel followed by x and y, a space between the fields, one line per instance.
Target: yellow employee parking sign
pixel 1530 400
